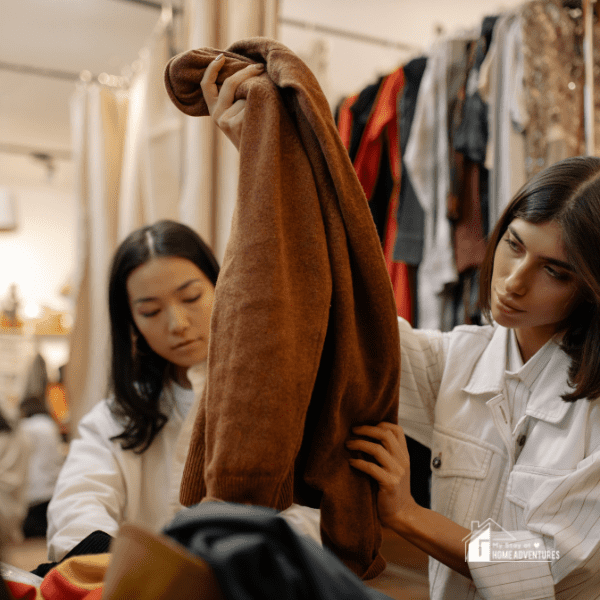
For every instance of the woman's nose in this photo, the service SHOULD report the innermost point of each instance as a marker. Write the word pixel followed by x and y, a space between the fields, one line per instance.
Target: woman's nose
pixel 178 321
pixel 516 282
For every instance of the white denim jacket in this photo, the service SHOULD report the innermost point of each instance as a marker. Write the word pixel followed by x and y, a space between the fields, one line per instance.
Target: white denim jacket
pixel 544 488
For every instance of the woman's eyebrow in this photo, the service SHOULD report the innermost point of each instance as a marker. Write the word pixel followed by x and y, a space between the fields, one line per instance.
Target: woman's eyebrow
pixel 549 259
pixel 182 287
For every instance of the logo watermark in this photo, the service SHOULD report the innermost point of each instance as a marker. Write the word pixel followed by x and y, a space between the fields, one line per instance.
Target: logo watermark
pixel 490 542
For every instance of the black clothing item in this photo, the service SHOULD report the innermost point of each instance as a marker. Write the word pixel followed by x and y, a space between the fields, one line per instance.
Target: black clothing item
pixel 97 542
pixel 420 472
pixel 382 193
pixel 413 73
pixel 36 523
pixel 254 553
pixel 472 134
pixel 408 245
pixel 4 594
pixel 361 110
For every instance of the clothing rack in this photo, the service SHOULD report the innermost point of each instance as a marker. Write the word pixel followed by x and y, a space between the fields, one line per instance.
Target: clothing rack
pixel 349 35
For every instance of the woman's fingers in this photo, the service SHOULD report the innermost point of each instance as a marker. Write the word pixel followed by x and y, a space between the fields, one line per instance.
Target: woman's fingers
pixel 391 470
pixel 375 471
pixel 377 451
pixel 208 83
pixel 225 112
pixel 391 436
pixel 221 100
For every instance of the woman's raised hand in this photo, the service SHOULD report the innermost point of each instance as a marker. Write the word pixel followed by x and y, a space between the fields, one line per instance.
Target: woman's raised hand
pixel 391 469
pixel 227 114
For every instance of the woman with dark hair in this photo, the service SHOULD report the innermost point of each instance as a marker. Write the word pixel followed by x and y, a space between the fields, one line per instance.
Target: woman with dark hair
pixel 126 463
pixel 510 410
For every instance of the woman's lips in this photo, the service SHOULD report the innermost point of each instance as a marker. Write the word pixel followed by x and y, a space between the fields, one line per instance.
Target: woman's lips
pixel 185 344
pixel 505 306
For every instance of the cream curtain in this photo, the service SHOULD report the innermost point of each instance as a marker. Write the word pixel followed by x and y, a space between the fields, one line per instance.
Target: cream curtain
pixel 97 117
pixel 211 163
pixel 137 160
pixel 151 180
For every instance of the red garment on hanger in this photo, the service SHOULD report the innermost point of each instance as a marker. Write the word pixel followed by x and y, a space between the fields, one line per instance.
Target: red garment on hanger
pixel 345 120
pixel 382 124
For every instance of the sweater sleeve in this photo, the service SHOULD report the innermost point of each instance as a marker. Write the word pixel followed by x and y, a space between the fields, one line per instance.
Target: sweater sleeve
pixel 90 493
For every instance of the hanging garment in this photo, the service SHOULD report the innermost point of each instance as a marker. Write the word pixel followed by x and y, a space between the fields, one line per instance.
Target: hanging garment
pixel 427 161
pixel 464 202
pixel 377 165
pixel 472 134
pixel 501 87
pixel 410 218
pixel 344 119
pixel 303 341
pixel 361 110
pixel 553 91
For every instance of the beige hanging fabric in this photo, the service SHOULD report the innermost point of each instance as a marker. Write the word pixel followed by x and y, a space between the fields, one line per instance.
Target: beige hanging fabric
pixel 151 179
pixel 210 164
pixel 304 335
pixel 97 117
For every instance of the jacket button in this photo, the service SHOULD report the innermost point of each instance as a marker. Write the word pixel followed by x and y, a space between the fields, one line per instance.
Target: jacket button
pixel 436 463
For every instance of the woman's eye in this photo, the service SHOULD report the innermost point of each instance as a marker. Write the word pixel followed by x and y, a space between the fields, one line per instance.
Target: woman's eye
pixel 194 299
pixel 511 244
pixel 560 275
pixel 151 313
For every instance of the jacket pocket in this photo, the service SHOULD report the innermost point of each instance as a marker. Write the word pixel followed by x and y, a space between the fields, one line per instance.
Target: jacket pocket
pixel 522 483
pixel 460 472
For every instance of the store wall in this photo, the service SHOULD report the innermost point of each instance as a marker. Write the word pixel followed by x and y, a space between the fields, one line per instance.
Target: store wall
pixel 40 254
pixel 345 66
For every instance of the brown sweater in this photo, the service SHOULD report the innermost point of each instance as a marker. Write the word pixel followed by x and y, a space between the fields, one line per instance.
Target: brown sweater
pixel 304 338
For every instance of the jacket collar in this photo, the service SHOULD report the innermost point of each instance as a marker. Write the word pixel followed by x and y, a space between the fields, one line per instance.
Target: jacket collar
pixel 545 403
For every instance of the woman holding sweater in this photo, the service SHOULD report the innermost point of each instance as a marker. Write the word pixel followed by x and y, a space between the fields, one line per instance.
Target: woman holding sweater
pixel 510 410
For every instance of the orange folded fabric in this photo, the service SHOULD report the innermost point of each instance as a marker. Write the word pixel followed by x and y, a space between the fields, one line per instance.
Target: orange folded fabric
pixel 77 578
pixel 304 338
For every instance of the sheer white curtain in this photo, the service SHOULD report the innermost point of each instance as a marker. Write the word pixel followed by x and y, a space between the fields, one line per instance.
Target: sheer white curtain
pixel 211 161
pixel 97 117
pixel 151 181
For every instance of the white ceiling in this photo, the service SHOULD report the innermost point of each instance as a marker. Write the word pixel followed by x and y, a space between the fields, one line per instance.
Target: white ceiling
pixel 68 36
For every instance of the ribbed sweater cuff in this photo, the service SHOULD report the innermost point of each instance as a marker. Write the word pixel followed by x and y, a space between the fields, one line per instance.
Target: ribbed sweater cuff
pixel 255 490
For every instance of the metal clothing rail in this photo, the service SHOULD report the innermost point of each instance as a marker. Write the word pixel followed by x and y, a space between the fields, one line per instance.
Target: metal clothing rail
pixel 40 71
pixel 156 5
pixel 39 153
pixel 350 35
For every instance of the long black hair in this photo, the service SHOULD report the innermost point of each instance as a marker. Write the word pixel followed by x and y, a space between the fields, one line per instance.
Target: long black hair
pixel 568 194
pixel 138 374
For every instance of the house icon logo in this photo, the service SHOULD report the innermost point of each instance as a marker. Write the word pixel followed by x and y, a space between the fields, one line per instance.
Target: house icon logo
pixel 478 544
